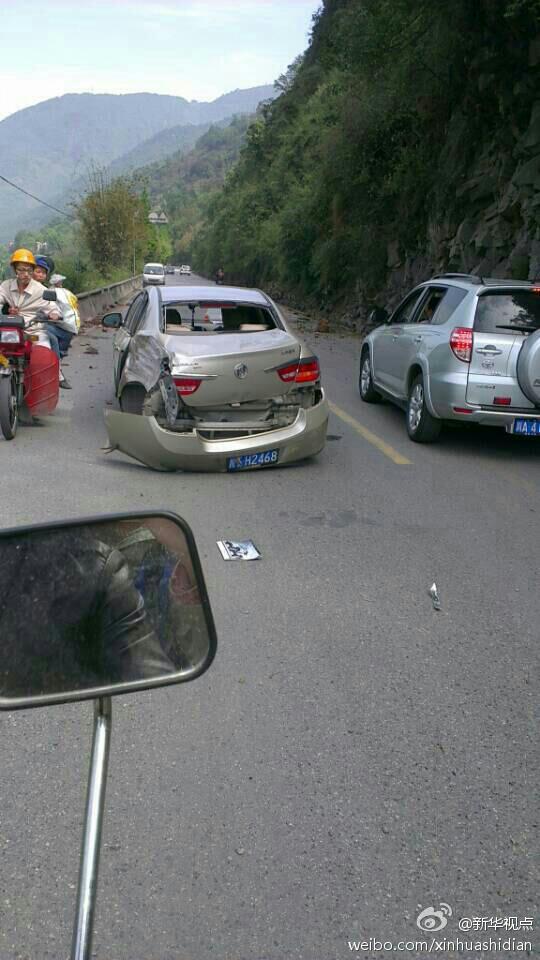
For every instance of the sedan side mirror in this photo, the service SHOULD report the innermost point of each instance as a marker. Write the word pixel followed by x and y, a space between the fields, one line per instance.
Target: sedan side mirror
pixel 378 315
pixel 112 320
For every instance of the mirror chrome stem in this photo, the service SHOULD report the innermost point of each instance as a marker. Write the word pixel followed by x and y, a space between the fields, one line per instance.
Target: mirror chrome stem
pixel 88 873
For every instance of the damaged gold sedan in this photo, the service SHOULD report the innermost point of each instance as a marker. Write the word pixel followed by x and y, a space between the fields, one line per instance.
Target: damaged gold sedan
pixel 212 378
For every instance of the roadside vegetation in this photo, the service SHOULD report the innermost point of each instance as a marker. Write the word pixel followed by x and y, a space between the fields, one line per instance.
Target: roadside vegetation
pixel 406 139
pixel 108 239
pixel 364 153
pixel 185 184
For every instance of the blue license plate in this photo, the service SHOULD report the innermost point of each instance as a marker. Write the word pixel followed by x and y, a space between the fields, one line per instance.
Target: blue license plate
pixel 526 427
pixel 250 460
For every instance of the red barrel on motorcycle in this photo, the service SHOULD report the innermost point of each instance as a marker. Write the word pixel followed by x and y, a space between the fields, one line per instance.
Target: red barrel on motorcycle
pixel 41 381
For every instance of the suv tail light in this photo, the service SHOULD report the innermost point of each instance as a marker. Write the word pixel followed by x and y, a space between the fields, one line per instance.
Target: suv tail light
pixel 185 386
pixel 461 341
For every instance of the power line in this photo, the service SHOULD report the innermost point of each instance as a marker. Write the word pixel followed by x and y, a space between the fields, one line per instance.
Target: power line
pixel 45 204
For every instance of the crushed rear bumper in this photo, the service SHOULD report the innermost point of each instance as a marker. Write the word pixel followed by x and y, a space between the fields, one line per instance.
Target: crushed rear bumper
pixel 145 440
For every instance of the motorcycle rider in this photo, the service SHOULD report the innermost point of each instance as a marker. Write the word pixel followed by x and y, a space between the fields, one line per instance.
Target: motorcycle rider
pixel 56 281
pixel 60 338
pixel 220 275
pixel 23 295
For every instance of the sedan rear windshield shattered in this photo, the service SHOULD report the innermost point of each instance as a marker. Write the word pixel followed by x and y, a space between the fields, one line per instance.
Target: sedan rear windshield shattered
pixel 518 310
pixel 213 318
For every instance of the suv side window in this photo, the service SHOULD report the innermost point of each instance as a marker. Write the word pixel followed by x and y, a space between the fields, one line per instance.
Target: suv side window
pixel 428 309
pixel 135 313
pixel 404 312
pixel 451 301
pixel 439 304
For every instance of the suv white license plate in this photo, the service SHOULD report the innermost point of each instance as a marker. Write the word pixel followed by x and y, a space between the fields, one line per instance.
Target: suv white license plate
pixel 250 460
pixel 526 427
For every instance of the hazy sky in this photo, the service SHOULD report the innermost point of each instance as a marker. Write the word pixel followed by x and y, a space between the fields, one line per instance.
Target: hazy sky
pixel 196 49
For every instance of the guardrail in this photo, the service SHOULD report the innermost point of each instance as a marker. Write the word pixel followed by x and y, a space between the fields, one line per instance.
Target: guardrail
pixel 93 303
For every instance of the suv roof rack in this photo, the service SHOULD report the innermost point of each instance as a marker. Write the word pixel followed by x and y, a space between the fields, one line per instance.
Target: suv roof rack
pixel 458 276
pixel 482 281
pixel 497 282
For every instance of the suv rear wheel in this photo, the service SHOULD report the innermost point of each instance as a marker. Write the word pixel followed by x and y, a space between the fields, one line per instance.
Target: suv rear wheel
pixel 421 426
pixel 365 382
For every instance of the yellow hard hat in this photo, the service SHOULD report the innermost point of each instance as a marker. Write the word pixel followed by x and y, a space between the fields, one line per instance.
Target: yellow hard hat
pixel 23 256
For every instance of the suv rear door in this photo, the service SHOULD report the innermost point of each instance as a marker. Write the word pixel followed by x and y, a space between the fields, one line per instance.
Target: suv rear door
pixel 504 318
pixel 424 332
pixel 387 346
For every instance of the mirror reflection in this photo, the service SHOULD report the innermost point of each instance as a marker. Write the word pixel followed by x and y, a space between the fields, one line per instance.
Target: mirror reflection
pixel 101 605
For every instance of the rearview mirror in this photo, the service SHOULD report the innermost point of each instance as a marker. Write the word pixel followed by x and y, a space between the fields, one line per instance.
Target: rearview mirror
pixel 113 320
pixel 99 607
pixel 50 295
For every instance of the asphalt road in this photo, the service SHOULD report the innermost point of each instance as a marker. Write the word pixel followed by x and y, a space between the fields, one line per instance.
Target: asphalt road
pixel 353 756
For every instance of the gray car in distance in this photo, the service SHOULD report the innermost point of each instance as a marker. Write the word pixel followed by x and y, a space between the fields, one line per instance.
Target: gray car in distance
pixel 458 347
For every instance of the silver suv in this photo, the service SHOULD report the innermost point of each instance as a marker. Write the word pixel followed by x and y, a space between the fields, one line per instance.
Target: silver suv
pixel 458 347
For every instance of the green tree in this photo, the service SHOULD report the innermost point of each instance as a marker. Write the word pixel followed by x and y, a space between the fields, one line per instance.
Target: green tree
pixel 114 222
pixel 158 244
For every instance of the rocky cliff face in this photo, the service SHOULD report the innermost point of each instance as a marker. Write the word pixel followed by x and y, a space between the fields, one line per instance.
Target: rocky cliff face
pixel 491 225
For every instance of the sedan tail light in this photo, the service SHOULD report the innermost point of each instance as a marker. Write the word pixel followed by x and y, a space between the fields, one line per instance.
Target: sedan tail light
pixel 288 372
pixel 461 342
pixel 301 371
pixel 185 386
pixel 308 370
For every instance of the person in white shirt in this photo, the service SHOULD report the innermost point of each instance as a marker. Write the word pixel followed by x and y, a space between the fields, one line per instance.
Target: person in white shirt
pixel 60 337
pixel 24 296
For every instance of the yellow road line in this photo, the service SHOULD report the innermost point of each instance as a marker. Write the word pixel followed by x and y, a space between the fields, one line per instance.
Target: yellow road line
pixel 370 437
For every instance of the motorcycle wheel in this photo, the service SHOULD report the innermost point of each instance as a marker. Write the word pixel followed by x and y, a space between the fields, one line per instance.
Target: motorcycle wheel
pixel 9 408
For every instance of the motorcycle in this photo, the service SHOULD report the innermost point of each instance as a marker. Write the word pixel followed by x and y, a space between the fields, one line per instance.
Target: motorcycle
pixel 29 374
pixel 135 615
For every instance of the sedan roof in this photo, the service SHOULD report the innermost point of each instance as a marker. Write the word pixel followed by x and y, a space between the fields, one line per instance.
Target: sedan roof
pixel 215 294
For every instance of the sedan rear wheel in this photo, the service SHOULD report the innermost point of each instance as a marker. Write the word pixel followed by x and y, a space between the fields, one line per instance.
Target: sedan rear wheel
pixel 421 426
pixel 132 399
pixel 365 383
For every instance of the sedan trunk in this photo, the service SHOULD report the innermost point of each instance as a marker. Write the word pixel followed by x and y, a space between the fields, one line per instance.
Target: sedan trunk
pixel 232 367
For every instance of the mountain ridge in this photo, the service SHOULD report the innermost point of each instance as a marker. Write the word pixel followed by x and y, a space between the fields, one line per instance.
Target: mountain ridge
pixel 45 148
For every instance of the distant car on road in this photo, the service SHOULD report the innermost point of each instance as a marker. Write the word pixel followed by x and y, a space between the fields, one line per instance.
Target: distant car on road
pixel 458 347
pixel 153 273
pixel 185 268
pixel 169 268
pixel 217 382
